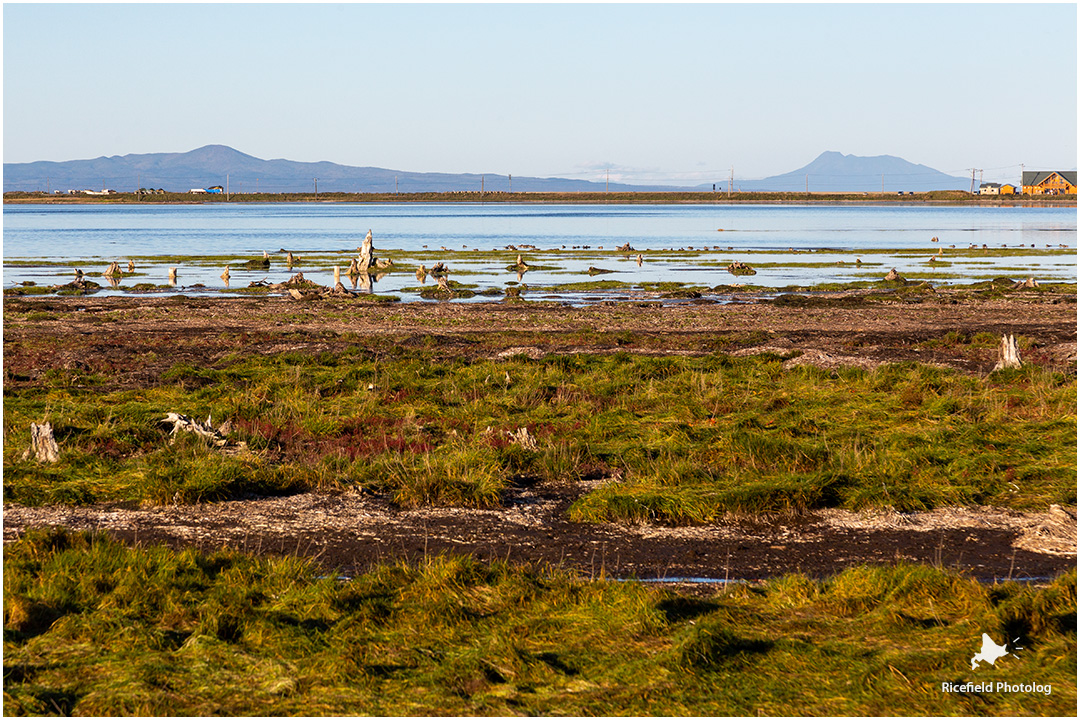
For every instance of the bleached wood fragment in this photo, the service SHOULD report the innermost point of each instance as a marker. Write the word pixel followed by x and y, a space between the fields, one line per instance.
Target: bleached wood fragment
pixel 523 438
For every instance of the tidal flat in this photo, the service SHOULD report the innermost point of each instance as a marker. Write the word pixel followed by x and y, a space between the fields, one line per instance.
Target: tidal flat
pixel 552 273
pixel 857 482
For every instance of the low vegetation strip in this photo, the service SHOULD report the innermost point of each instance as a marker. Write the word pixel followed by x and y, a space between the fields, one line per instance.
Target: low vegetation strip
pixel 93 627
pixel 678 440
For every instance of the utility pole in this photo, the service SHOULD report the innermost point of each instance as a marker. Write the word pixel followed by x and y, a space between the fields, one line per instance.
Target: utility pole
pixel 316 180
pixel 972 191
pixel 395 184
pixel 607 179
pixel 511 183
pixel 226 187
pixel 807 183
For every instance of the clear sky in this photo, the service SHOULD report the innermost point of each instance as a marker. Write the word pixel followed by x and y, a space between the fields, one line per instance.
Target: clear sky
pixel 653 93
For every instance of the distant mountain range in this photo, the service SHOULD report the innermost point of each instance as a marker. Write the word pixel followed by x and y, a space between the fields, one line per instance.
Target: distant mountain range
pixel 220 165
pixel 835 172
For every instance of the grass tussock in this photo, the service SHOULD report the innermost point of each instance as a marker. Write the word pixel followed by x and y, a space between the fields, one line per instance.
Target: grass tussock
pixel 687 438
pixel 95 627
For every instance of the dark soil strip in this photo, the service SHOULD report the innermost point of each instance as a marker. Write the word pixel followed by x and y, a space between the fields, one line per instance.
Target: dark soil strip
pixel 348 534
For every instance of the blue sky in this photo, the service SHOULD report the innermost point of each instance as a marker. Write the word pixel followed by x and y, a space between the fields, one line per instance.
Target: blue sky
pixel 649 93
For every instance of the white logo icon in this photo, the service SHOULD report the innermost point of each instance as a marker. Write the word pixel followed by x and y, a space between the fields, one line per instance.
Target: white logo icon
pixel 990 652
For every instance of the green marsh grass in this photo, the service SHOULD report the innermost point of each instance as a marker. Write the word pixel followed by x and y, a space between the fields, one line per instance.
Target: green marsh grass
pixel 93 627
pixel 689 438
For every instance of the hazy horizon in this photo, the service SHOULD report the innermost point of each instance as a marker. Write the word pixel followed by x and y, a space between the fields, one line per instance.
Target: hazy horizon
pixel 643 94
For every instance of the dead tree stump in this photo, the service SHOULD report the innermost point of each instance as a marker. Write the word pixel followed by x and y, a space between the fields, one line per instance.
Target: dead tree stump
pixel 1010 354
pixel 42 444
pixel 367 257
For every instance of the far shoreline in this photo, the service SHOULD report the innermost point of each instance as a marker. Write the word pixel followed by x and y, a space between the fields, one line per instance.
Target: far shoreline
pixel 937 198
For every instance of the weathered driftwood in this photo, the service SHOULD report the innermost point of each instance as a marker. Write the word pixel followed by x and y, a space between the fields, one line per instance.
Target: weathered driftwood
pixel 79 284
pixel 113 270
pixel 740 268
pixel 43 447
pixel 384 263
pixel 225 275
pixel 520 267
pixel 131 266
pixel 186 423
pixel 216 438
pixel 444 283
pixel 599 271
pixel 640 260
pixel 337 275
pixel 421 274
pixel 439 268
pixel 894 276
pixel 1029 283
pixel 1010 353
pixel 625 249
pixel 172 276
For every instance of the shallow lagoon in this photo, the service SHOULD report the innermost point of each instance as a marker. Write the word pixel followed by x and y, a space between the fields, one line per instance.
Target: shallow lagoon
pixel 789 245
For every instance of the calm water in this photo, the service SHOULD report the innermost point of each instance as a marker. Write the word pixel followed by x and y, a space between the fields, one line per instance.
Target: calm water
pixel 787 244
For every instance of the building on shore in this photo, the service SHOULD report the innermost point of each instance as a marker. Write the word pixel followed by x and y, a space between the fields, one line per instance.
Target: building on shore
pixel 997 189
pixel 1048 182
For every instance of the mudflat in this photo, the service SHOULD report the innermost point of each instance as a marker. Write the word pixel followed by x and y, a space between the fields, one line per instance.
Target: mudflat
pixel 130 343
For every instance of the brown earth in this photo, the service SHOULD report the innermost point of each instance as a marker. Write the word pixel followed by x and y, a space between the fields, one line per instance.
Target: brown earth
pixel 132 341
